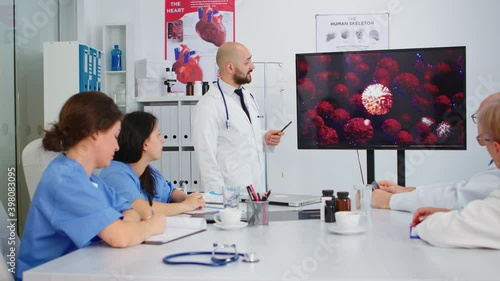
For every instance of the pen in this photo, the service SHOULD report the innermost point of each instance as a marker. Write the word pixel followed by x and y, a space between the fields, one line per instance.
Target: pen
pixel 255 196
pixel 266 195
pixel 286 126
pixel 249 190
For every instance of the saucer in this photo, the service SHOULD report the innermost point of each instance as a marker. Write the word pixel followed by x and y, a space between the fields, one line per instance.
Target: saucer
pixel 356 230
pixel 239 225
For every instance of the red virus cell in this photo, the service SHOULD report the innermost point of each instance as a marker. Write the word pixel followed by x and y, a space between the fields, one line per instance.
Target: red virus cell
pixel 302 68
pixel 443 67
pixel 358 131
pixel 324 109
pixel 356 101
pixel 324 78
pixel 404 137
pixel 443 130
pixel 422 129
pixel 340 115
pixel 352 80
pixel 341 90
pixel 319 63
pixel 382 76
pixel 390 65
pixel 430 89
pixel 391 127
pixel 312 123
pixel 377 99
pixel 306 88
pixel 407 83
pixel 311 113
pixel 362 69
pixel 458 98
pixel 327 136
pixel 354 59
pixel 427 139
pixel 405 117
pixel 443 101
pixel 420 103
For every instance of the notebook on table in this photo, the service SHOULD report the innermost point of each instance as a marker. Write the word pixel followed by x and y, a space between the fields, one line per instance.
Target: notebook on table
pixel 177 228
pixel 292 200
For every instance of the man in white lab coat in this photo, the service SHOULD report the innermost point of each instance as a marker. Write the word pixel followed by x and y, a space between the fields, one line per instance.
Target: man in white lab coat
pixel 453 195
pixel 227 135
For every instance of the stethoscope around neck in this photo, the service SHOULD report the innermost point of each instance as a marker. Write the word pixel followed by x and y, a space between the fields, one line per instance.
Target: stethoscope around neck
pixel 225 104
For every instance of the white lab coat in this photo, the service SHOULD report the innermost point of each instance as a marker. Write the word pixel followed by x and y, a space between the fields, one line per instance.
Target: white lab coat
pixel 448 195
pixel 231 155
pixel 475 226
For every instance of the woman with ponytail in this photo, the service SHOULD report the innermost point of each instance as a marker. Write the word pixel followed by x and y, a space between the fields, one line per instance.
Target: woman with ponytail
pixel 133 177
pixel 72 207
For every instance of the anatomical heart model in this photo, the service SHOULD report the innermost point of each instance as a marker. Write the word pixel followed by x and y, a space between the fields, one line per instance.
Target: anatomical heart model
pixel 209 27
pixel 186 65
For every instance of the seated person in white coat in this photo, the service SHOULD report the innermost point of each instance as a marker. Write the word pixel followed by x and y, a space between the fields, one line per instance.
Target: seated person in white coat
pixel 72 207
pixel 133 177
pixel 228 139
pixel 477 225
pixel 454 195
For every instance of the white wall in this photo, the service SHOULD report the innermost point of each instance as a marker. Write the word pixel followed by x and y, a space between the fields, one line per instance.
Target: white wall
pixel 277 30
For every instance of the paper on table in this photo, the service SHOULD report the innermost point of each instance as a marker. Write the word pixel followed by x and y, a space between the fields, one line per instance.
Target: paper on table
pixel 208 209
pixel 213 198
pixel 178 227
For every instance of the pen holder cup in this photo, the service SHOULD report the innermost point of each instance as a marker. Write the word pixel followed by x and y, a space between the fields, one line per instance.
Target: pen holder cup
pixel 258 213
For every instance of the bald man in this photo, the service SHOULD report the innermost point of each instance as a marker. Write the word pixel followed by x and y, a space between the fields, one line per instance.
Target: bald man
pixel 453 195
pixel 228 139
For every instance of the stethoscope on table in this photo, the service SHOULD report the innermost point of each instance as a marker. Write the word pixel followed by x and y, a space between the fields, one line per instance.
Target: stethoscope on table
pixel 217 257
pixel 225 104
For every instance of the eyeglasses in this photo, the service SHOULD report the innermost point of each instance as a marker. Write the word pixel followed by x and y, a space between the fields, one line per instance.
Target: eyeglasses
pixel 474 118
pixel 483 140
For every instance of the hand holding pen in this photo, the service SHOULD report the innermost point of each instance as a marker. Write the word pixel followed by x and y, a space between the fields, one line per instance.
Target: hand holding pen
pixel 273 137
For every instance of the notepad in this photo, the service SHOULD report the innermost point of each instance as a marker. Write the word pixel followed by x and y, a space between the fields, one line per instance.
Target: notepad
pixel 213 198
pixel 177 228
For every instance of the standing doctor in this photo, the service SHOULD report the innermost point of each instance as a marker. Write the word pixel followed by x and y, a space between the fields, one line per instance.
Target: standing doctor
pixel 228 138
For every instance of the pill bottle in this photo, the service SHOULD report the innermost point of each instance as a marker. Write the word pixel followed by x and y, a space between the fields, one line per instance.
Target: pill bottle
pixel 343 202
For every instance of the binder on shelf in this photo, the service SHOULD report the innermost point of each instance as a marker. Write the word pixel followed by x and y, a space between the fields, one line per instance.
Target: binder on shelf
pixel 195 173
pixel 186 169
pixel 186 125
pixel 169 123
pixel 165 165
pixel 178 227
pixel 174 167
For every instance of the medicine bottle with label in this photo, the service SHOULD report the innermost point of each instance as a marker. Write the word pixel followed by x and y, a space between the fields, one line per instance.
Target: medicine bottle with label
pixel 330 211
pixel 189 89
pixel 343 202
pixel 327 195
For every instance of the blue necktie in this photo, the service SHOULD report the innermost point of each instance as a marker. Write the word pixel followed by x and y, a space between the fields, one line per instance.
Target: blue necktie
pixel 239 92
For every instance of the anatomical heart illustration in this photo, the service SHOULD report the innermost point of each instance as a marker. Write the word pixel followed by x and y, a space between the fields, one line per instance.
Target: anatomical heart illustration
pixel 209 27
pixel 186 65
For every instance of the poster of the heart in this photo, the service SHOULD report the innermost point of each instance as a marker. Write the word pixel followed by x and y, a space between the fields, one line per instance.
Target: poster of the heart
pixel 194 30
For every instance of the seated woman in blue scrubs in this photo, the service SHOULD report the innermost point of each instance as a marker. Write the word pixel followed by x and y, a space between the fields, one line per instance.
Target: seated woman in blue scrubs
pixel 132 176
pixel 72 207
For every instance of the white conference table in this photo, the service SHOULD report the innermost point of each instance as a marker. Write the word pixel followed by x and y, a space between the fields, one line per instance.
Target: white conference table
pixel 288 250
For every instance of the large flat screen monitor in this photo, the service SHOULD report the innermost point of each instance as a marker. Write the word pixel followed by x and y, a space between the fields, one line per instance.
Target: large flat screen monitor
pixel 386 99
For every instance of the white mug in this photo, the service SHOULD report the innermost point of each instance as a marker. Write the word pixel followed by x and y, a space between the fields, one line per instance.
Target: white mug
pixel 347 220
pixel 228 216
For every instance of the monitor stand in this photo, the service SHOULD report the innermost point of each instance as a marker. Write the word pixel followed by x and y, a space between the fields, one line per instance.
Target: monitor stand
pixel 370 164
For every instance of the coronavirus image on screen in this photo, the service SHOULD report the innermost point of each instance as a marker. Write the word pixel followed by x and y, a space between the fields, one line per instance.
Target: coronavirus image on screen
pixel 388 99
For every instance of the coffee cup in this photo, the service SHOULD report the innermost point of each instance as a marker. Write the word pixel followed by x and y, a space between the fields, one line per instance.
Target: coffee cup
pixel 347 220
pixel 228 216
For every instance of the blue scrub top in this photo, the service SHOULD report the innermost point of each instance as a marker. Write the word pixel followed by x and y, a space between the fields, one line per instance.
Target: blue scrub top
pixel 65 200
pixel 124 180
